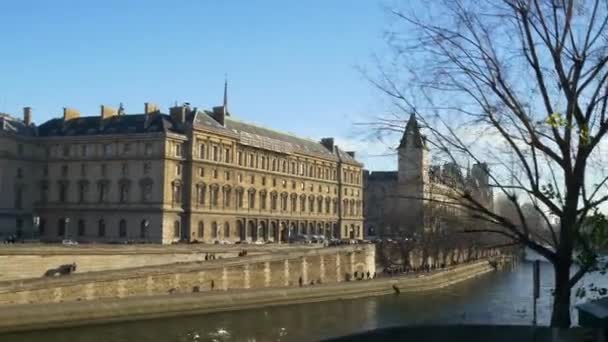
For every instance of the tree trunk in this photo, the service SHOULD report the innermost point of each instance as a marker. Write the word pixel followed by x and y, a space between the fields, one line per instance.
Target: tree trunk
pixel 561 301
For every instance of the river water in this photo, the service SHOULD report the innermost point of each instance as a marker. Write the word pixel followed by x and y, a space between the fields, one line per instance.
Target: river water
pixel 501 297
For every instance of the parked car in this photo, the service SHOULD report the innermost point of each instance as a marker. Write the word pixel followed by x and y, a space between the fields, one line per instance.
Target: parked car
pixel 68 242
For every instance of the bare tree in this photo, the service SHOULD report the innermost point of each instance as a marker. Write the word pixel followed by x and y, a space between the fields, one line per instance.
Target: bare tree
pixel 521 84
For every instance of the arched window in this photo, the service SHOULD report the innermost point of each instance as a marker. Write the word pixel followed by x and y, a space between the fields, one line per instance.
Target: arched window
pixel 226 230
pixel 302 203
pixel 201 229
pixel 284 166
pixel 320 205
pixel 214 229
pixel 214 195
pixel 327 205
pixel 177 192
pixel 176 229
pixel 294 202
pixel 81 228
pixel 101 228
pixel 122 228
pixel 201 190
pixel 251 199
pixel 311 204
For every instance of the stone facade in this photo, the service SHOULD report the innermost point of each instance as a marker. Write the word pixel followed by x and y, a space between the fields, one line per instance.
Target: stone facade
pixel 261 271
pixel 190 174
pixel 409 200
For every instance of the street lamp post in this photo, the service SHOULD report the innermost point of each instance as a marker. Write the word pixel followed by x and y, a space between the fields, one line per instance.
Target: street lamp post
pixel 67 225
pixel 146 226
pixel 36 224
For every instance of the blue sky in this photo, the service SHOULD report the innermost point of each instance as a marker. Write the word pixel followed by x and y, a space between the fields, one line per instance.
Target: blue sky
pixel 290 64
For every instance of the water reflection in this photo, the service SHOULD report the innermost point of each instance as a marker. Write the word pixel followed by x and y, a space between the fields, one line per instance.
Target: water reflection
pixel 497 298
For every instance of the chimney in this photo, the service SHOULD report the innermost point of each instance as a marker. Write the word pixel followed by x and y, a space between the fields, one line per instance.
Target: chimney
pixel 150 108
pixel 219 114
pixel 351 153
pixel 178 114
pixel 328 143
pixel 107 112
pixel 27 115
pixel 70 113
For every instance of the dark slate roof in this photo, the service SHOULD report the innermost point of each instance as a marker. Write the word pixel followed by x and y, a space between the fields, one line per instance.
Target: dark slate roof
pixel 412 129
pixel 12 125
pixel 261 137
pixel 382 176
pixel 118 124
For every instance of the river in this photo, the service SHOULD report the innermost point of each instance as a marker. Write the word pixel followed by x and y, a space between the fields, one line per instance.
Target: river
pixel 502 297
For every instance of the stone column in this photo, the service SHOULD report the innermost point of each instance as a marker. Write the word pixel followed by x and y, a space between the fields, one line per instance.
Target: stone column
pixel 224 278
pixel 286 274
pixel 322 268
pixel 149 285
pixel 304 270
pixel 338 270
pixel 246 277
pixel 352 263
pixel 89 291
pixel 267 274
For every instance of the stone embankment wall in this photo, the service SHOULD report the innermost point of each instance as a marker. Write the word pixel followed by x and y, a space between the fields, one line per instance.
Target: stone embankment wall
pixel 277 269
pixel 39 316
pixel 23 261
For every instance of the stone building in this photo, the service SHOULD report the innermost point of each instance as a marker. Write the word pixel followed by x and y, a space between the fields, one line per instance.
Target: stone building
pixel 409 200
pixel 190 174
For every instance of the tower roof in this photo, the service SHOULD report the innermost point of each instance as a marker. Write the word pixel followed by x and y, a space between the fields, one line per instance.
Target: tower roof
pixel 412 135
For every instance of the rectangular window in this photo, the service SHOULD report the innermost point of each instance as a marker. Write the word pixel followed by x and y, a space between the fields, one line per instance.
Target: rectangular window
pixel 227 175
pixel 83 170
pixel 108 149
pixel 178 149
pixel 103 169
pixel 147 167
pixel 83 150
pixel 239 178
pixel 214 154
pixel 201 151
pixel 45 170
pixel 124 169
pixel 126 148
pixel 64 170
pixel 215 174
pixel 201 172
pixel 227 155
pixel 251 160
pixel 66 150
pixel 263 180
pixel 252 180
pixel 178 169
pixel 148 149
pixel 239 156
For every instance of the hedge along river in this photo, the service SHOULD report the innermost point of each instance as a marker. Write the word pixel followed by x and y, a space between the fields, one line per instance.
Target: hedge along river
pixel 501 297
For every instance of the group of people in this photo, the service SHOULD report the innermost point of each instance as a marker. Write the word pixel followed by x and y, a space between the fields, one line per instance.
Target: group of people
pixel 209 256
pixel 360 276
pixel 391 271
pixel 243 253
pixel 11 239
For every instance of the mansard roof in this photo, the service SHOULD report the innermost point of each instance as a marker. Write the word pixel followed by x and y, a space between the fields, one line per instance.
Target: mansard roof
pixel 11 125
pixel 269 139
pixel 118 124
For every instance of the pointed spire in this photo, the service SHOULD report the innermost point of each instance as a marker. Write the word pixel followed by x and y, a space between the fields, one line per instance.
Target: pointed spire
pixel 412 134
pixel 225 104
